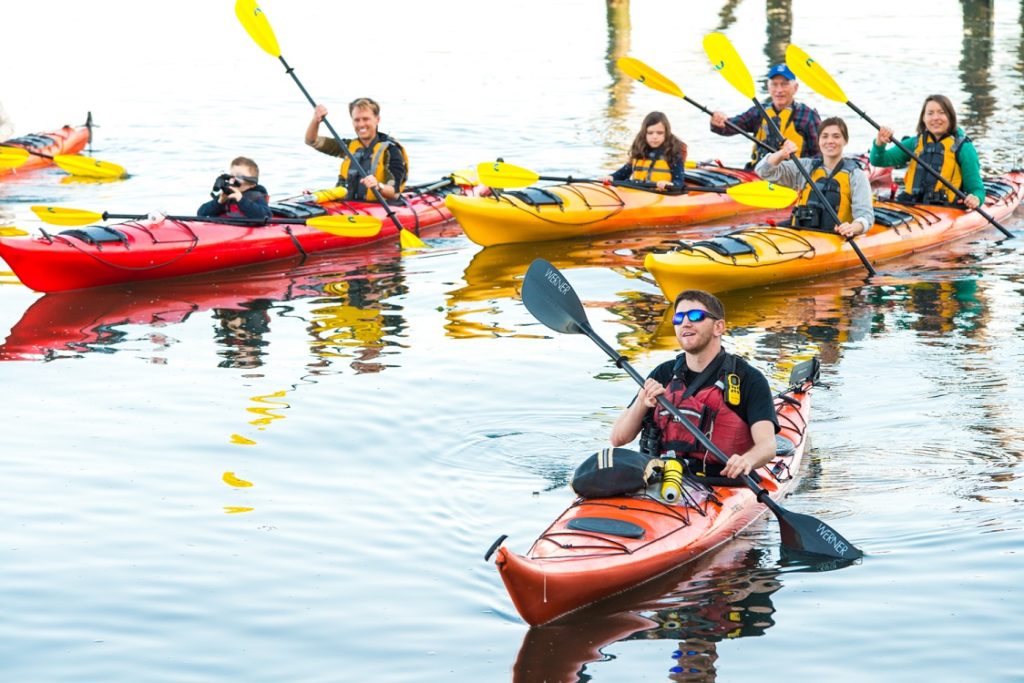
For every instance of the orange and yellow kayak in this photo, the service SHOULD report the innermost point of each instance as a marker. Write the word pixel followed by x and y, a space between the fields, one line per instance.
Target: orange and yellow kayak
pixel 586 208
pixel 604 546
pixel 763 254
pixel 42 147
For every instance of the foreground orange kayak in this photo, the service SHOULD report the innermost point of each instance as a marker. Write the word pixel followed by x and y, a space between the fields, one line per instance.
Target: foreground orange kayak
pixel 601 547
pixel 764 254
pixel 42 147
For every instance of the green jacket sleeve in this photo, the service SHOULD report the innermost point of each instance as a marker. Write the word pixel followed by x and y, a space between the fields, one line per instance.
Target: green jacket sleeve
pixel 970 171
pixel 891 156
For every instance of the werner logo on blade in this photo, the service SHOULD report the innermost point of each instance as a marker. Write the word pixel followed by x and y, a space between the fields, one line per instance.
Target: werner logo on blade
pixel 560 284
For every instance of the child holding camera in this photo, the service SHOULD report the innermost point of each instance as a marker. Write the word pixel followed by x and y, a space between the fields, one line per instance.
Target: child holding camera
pixel 238 192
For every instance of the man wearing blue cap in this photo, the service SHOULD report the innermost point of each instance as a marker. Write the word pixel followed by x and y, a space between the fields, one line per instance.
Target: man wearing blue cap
pixel 796 120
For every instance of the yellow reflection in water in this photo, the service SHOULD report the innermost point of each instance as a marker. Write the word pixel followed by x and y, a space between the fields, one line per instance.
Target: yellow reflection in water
pixel 231 480
pixel 266 413
pixel 234 510
pixel 240 440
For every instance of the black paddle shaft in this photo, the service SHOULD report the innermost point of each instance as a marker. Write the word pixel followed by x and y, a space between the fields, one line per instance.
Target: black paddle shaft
pixel 920 162
pixel 815 189
pixel 732 126
pixel 337 138
pixel 551 299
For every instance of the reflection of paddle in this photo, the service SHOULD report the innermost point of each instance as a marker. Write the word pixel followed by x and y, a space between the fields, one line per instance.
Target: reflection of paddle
pixel 636 69
pixel 256 25
pixel 551 299
pixel 343 225
pixel 760 193
pixel 728 63
pixel 75 164
pixel 812 73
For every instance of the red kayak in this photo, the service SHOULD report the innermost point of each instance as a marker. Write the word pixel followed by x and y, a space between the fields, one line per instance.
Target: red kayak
pixel 42 147
pixel 600 547
pixel 94 256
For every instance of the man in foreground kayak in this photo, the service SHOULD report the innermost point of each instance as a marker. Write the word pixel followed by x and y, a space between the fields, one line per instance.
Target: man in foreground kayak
pixel 728 399
pixel 238 192
pixel 795 120
pixel 380 155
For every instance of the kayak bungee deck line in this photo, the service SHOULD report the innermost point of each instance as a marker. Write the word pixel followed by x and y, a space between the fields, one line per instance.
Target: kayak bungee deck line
pixel 763 254
pixel 42 147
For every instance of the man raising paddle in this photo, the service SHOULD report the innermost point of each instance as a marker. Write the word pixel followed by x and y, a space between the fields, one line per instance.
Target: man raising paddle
pixel 381 156
pixel 724 396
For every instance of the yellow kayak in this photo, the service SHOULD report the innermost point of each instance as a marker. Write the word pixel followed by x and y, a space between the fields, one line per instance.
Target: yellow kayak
pixel 764 254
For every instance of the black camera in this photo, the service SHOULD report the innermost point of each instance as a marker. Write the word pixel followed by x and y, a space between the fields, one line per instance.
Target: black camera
pixel 225 182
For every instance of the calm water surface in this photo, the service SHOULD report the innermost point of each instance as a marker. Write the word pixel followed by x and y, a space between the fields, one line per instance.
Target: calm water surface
pixel 395 413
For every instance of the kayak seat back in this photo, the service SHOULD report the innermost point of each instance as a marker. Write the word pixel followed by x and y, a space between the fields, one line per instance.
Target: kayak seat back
pixel 996 189
pixel 296 210
pixel 535 196
pixel 725 245
pixel 32 141
pixel 784 447
pixel 605 525
pixel 96 234
pixel 708 178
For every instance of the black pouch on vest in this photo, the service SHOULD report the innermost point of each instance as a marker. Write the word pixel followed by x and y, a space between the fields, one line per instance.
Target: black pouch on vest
pixel 613 472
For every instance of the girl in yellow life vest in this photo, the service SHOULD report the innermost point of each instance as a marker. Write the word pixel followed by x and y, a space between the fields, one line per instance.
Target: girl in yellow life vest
pixel 381 157
pixel 943 146
pixel 657 157
pixel 843 182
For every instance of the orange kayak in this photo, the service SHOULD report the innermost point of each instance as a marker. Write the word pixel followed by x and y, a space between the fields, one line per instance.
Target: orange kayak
pixel 43 146
pixel 601 547
pixel 763 254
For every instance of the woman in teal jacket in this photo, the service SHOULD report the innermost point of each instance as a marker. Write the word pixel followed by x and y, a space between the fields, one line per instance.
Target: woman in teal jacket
pixel 941 145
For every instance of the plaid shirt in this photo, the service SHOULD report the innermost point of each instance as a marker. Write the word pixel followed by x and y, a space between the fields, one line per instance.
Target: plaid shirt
pixel 804 119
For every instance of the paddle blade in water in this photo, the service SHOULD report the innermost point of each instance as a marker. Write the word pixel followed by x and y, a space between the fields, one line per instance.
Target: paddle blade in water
pixel 409 240
pixel 810 72
pixel 811 536
pixel 12 157
pixel 257 26
pixel 501 175
pixel 551 299
pixel 346 225
pixel 763 194
pixel 56 215
pixel 727 62
pixel 636 69
pixel 87 167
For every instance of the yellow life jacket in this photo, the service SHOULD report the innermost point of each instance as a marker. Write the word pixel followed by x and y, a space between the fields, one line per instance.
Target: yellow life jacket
pixel 941 155
pixel 809 213
pixel 372 160
pixel 651 170
pixel 784 122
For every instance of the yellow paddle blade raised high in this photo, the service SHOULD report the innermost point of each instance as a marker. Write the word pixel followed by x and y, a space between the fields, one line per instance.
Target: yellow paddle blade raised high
pixel 763 194
pixel 12 157
pixel 346 225
pixel 810 72
pixel 727 62
pixel 56 215
pixel 636 69
pixel 256 25
pixel 88 167
pixel 501 175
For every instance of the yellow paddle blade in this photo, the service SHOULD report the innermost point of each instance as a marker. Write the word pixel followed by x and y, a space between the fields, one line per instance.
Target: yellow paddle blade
pixel 346 225
pixel 465 176
pixel 88 167
pixel 409 240
pixel 810 72
pixel 727 62
pixel 636 69
pixel 763 194
pixel 12 157
pixel 56 215
pixel 501 175
pixel 257 26
pixel 11 231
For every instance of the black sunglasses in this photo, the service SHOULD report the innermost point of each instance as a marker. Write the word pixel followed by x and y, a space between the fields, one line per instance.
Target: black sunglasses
pixel 694 316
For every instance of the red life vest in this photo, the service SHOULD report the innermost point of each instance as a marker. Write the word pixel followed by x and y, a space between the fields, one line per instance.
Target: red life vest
pixel 707 410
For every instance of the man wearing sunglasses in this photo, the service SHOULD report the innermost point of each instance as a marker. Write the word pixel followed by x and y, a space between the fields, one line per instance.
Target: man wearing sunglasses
pixel 238 193
pixel 720 393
